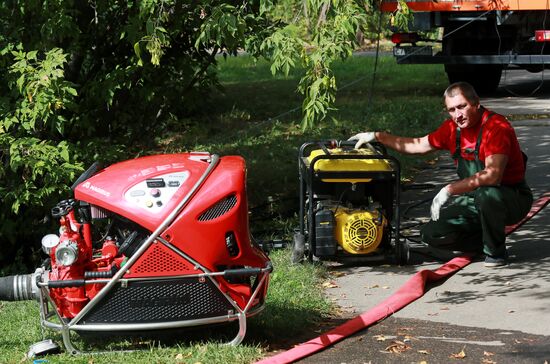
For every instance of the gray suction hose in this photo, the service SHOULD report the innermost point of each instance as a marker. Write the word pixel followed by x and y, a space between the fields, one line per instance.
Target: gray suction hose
pixel 19 287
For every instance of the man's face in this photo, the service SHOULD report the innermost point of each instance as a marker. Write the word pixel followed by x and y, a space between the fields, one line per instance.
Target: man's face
pixel 463 113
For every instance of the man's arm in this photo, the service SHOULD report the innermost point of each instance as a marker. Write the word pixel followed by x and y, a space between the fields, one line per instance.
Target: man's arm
pixel 403 144
pixel 490 176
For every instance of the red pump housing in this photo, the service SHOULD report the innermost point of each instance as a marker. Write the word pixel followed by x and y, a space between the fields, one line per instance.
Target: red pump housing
pixel 156 242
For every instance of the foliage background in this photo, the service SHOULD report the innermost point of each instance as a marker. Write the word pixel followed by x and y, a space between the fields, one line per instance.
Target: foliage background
pixel 86 81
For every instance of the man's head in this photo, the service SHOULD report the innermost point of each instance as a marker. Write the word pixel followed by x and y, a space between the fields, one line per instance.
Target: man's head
pixel 462 104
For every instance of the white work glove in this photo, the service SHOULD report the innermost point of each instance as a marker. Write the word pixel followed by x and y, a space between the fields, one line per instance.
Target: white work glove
pixel 438 201
pixel 363 138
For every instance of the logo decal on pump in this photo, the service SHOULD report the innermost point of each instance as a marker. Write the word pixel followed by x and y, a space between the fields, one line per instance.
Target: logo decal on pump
pixel 99 190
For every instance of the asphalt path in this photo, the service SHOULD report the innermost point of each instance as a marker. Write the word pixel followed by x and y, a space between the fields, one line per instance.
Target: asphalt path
pixel 479 315
pixel 521 93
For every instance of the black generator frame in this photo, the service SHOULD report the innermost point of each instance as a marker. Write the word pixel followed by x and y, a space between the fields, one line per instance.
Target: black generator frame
pixel 310 179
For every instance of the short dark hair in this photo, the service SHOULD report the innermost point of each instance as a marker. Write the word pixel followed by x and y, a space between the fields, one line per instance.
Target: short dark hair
pixel 463 88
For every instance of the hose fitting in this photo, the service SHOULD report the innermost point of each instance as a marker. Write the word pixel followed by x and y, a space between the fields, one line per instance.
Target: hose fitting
pixel 20 287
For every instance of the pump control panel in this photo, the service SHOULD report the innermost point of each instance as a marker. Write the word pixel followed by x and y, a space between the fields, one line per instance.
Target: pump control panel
pixel 152 194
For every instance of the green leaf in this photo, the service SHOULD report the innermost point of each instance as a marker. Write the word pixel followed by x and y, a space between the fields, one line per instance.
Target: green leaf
pixel 64 153
pixel 137 51
pixel 32 55
pixel 150 27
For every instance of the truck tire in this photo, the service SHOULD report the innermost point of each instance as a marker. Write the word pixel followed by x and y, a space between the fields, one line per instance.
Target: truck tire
pixel 483 77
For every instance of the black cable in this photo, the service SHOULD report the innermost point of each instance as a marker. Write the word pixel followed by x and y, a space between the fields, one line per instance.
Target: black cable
pixel 376 57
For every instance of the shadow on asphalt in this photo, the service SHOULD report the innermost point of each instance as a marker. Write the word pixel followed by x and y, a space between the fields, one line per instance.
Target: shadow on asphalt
pixel 517 82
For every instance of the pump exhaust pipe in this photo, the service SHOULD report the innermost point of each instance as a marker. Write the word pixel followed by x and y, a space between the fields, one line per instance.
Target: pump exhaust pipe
pixel 19 287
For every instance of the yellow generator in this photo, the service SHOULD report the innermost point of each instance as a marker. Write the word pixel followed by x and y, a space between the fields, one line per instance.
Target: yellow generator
pixel 349 203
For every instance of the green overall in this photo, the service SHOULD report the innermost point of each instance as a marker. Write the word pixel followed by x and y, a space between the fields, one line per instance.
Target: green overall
pixel 476 221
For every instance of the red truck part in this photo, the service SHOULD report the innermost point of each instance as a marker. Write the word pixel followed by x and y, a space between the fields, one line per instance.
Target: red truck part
pixel 479 38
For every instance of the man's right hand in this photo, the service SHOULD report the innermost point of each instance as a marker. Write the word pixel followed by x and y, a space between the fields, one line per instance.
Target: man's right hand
pixel 439 200
pixel 363 138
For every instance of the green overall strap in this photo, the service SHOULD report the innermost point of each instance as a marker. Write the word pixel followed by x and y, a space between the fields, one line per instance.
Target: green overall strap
pixel 456 154
pixel 478 163
pixel 478 141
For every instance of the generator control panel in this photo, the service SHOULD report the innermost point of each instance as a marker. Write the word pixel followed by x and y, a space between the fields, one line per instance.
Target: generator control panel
pixel 152 194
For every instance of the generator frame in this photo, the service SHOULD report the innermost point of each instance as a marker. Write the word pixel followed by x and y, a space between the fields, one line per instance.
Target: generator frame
pixel 310 178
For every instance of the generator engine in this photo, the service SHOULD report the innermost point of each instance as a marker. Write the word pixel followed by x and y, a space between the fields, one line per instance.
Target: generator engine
pixel 357 230
pixel 150 244
pixel 349 202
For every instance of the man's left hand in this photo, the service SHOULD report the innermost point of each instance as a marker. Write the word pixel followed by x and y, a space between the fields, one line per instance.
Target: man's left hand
pixel 438 201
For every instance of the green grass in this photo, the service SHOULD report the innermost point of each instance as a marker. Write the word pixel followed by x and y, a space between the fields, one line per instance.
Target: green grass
pixel 242 119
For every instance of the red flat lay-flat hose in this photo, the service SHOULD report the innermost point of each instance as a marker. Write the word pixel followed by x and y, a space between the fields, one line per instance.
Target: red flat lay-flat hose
pixel 413 289
pixel 538 205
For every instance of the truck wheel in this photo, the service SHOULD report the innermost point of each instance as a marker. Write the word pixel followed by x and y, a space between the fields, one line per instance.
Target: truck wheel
pixel 483 77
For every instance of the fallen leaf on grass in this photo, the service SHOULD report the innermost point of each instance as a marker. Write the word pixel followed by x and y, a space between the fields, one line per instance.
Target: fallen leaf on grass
pixel 329 284
pixel 379 337
pixel 386 287
pixel 488 353
pixel 488 361
pixel 397 347
pixel 444 308
pixel 373 286
pixel 426 352
pixel 181 356
pixel 460 355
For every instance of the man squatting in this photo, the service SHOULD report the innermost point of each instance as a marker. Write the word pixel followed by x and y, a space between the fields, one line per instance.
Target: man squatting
pixel 491 191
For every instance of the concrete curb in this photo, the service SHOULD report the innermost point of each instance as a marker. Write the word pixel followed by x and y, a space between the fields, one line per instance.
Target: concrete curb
pixel 537 122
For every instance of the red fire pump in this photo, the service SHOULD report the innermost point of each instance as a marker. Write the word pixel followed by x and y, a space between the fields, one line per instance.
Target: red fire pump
pixel 158 242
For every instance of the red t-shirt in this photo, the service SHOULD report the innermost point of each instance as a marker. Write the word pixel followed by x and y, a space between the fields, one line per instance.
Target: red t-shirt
pixel 498 137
